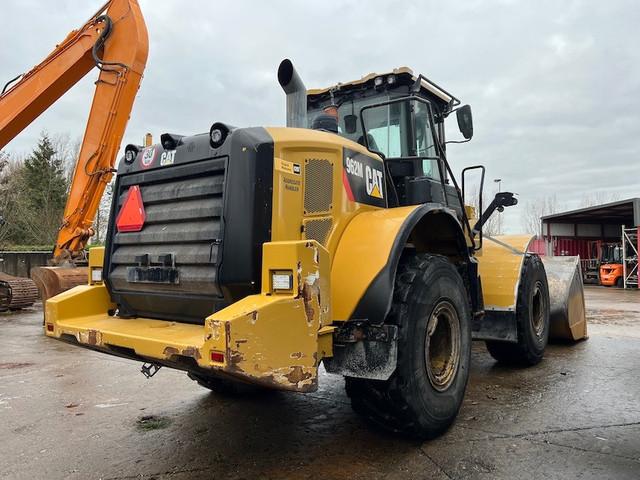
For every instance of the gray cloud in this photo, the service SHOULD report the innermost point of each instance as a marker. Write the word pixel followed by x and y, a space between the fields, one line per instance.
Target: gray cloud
pixel 555 86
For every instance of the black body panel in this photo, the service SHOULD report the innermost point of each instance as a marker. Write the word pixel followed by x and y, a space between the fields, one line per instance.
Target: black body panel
pixel 208 212
pixel 364 178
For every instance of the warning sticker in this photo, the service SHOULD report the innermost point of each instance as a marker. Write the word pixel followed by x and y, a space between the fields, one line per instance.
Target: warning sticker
pixel 288 167
pixel 148 156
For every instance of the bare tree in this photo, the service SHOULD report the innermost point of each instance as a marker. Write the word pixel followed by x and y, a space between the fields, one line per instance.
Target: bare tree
pixel 493 226
pixel 101 222
pixel 598 198
pixel 535 209
pixel 67 151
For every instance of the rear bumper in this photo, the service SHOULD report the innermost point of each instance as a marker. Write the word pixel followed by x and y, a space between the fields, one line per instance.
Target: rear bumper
pixel 81 316
pixel 268 339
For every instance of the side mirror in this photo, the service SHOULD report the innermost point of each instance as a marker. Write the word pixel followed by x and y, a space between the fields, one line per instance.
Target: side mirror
pixel 350 124
pixel 465 121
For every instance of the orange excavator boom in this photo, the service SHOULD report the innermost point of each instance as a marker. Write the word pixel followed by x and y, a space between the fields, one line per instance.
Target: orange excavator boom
pixel 115 41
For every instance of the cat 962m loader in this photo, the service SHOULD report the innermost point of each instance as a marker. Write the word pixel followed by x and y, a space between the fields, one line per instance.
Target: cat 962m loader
pixel 252 255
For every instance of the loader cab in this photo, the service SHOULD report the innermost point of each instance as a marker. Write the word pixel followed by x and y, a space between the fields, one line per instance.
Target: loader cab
pixel 399 117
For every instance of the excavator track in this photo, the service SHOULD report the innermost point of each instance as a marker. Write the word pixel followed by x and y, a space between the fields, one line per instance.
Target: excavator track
pixel 16 292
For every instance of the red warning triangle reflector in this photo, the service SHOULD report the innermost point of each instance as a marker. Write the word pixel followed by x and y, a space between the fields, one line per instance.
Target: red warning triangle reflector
pixel 132 215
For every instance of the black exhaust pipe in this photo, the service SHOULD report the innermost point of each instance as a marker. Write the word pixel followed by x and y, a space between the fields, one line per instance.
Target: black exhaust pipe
pixel 296 94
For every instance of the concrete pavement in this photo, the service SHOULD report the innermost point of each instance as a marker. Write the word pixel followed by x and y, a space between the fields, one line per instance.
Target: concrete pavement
pixel 66 412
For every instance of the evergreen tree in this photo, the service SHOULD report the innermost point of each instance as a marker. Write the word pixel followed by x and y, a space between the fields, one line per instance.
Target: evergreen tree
pixel 43 192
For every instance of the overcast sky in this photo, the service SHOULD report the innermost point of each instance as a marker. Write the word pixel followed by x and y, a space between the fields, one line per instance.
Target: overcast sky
pixel 554 85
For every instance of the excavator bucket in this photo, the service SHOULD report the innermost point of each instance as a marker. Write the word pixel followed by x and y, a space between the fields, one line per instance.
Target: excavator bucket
pixel 566 295
pixel 54 280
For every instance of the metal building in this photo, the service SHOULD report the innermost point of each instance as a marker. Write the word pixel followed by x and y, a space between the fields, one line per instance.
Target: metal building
pixel 587 232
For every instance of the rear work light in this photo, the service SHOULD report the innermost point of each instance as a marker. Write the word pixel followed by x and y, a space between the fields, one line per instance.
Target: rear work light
pixel 132 215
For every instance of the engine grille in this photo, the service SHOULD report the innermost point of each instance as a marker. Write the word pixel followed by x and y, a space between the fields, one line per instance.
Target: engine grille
pixel 318 229
pixel 318 186
pixel 183 208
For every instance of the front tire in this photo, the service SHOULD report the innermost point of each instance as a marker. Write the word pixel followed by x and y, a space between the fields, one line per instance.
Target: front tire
pixel 532 318
pixel 424 394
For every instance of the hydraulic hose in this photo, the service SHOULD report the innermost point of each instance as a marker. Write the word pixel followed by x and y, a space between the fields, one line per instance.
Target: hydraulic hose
pixel 15 79
pixel 99 45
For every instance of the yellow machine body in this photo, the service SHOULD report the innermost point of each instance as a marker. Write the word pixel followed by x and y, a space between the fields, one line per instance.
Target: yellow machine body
pixel 277 338
pixel 500 261
pixel 335 250
pixel 340 251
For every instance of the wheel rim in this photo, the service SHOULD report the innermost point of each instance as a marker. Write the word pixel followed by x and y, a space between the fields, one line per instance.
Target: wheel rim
pixel 442 345
pixel 537 309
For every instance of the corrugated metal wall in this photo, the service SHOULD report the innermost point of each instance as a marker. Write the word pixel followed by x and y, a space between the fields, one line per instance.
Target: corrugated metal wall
pixel 562 246
pixel 19 264
pixel 538 246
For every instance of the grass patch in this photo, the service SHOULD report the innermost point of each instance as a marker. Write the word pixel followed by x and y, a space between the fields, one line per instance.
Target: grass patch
pixel 152 422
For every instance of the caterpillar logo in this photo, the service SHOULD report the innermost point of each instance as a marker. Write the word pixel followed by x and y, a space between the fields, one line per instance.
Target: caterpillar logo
pixel 363 178
pixel 373 180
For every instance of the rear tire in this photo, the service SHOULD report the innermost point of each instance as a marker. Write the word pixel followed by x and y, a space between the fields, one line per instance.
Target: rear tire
pixel 424 394
pixel 225 387
pixel 532 318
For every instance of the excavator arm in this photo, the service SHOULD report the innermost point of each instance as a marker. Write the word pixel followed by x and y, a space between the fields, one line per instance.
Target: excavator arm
pixel 114 40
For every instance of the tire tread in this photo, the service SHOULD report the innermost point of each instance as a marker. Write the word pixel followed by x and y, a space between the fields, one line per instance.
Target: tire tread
pixel 384 403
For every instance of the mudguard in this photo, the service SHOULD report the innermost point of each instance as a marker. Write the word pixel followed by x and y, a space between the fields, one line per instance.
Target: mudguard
pixel 367 257
pixel 500 264
pixel 363 278
pixel 500 261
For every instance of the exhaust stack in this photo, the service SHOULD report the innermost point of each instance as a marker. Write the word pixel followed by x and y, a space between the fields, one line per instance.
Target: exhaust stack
pixel 296 94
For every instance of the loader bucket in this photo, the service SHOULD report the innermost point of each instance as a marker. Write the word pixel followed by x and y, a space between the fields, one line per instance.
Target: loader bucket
pixel 566 295
pixel 54 280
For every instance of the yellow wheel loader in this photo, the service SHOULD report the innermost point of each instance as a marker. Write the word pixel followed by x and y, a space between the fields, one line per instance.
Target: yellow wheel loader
pixel 249 256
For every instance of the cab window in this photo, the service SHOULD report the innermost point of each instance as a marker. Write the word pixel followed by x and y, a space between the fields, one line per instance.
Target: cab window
pixel 404 130
pixel 425 140
pixel 387 128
